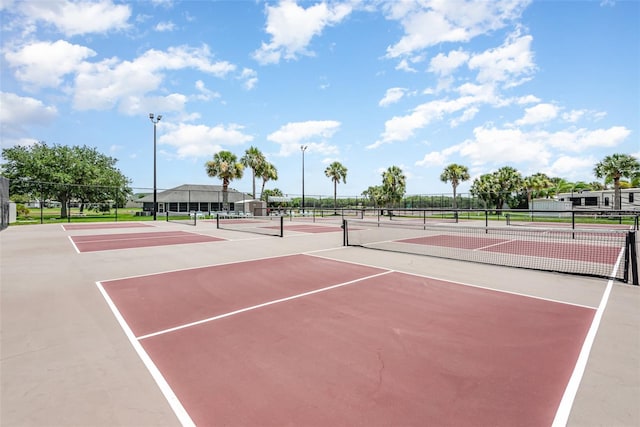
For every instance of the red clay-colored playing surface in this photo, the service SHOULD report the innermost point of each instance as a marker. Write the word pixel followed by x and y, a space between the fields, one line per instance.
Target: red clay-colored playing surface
pixel 105 242
pixel 557 250
pixel 106 225
pixel 251 343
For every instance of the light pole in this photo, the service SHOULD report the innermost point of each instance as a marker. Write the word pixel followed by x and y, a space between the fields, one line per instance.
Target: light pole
pixel 303 148
pixel 155 189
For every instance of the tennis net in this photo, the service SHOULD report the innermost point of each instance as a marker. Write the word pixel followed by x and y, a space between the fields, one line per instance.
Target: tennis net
pixel 270 225
pixel 598 253
pixel 188 218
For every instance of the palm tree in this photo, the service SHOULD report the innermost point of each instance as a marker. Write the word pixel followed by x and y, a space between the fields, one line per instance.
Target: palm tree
pixel 614 167
pixel 267 172
pixel 394 184
pixel 226 167
pixel 455 174
pixel 536 185
pixel 374 194
pixel 337 172
pixel 254 159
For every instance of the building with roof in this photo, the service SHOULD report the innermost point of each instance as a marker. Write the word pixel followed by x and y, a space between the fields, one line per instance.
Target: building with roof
pixel 193 197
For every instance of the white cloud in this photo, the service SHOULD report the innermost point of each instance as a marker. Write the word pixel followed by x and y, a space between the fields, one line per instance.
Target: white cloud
pixel 435 158
pixel 538 114
pixel 165 26
pixel 44 64
pixel 204 93
pixel 19 113
pixel 292 27
pixel 81 17
pixel 446 64
pixel 577 140
pixel 509 63
pixel 430 23
pixel 392 96
pixel 250 78
pixel 201 140
pixel 313 133
pixel 571 168
pixel 404 66
pixel 110 82
pixel 401 128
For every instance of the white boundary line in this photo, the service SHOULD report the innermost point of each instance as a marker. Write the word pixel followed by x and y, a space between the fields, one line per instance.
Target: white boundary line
pixel 471 285
pixel 73 244
pixel 254 307
pixel 166 390
pixel 570 392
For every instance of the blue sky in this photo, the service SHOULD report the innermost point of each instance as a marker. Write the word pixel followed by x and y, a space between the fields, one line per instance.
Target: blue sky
pixel 542 86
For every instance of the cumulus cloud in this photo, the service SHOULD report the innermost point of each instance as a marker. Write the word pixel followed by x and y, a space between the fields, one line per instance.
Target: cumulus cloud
pixel 313 133
pixel 19 113
pixel 44 64
pixel 18 116
pixel 538 114
pixel 427 24
pixel 531 150
pixel 392 96
pixel 292 27
pixel 401 128
pixel 110 82
pixel 512 62
pixel 200 140
pixel 162 27
pixel 445 64
pixel 82 17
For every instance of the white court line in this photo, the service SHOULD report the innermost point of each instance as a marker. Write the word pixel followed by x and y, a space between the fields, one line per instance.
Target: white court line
pixel 73 244
pixel 471 285
pixel 564 409
pixel 137 238
pixel 254 307
pixel 495 244
pixel 166 390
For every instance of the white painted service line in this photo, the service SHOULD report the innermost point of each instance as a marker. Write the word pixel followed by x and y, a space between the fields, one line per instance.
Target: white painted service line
pixel 242 310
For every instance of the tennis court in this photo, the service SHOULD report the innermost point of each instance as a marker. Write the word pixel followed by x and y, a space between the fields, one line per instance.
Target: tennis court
pixel 253 329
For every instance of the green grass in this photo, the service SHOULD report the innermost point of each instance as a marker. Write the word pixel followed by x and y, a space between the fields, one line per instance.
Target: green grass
pixel 52 216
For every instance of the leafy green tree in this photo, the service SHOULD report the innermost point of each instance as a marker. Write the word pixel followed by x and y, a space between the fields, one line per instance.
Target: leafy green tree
pixel 374 194
pixel 253 159
pixel 499 187
pixel 484 188
pixel 337 172
pixel 268 172
pixel 455 174
pixel 394 184
pixel 64 173
pixel 615 167
pixel 225 166
pixel 560 185
pixel 536 186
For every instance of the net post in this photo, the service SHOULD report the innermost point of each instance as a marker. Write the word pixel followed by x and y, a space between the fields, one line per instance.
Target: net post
pixel 345 241
pixel 281 226
pixel 166 216
pixel 633 255
pixel 218 220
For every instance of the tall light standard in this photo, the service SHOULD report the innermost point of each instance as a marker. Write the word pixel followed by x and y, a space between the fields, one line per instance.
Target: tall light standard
pixel 303 148
pixel 155 189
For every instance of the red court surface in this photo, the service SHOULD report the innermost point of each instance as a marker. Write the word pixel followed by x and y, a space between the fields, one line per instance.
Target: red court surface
pixel 306 341
pixel 106 225
pixel 557 250
pixel 106 242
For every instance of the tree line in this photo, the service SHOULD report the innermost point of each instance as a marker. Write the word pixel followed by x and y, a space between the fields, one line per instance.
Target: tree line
pixel 66 173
